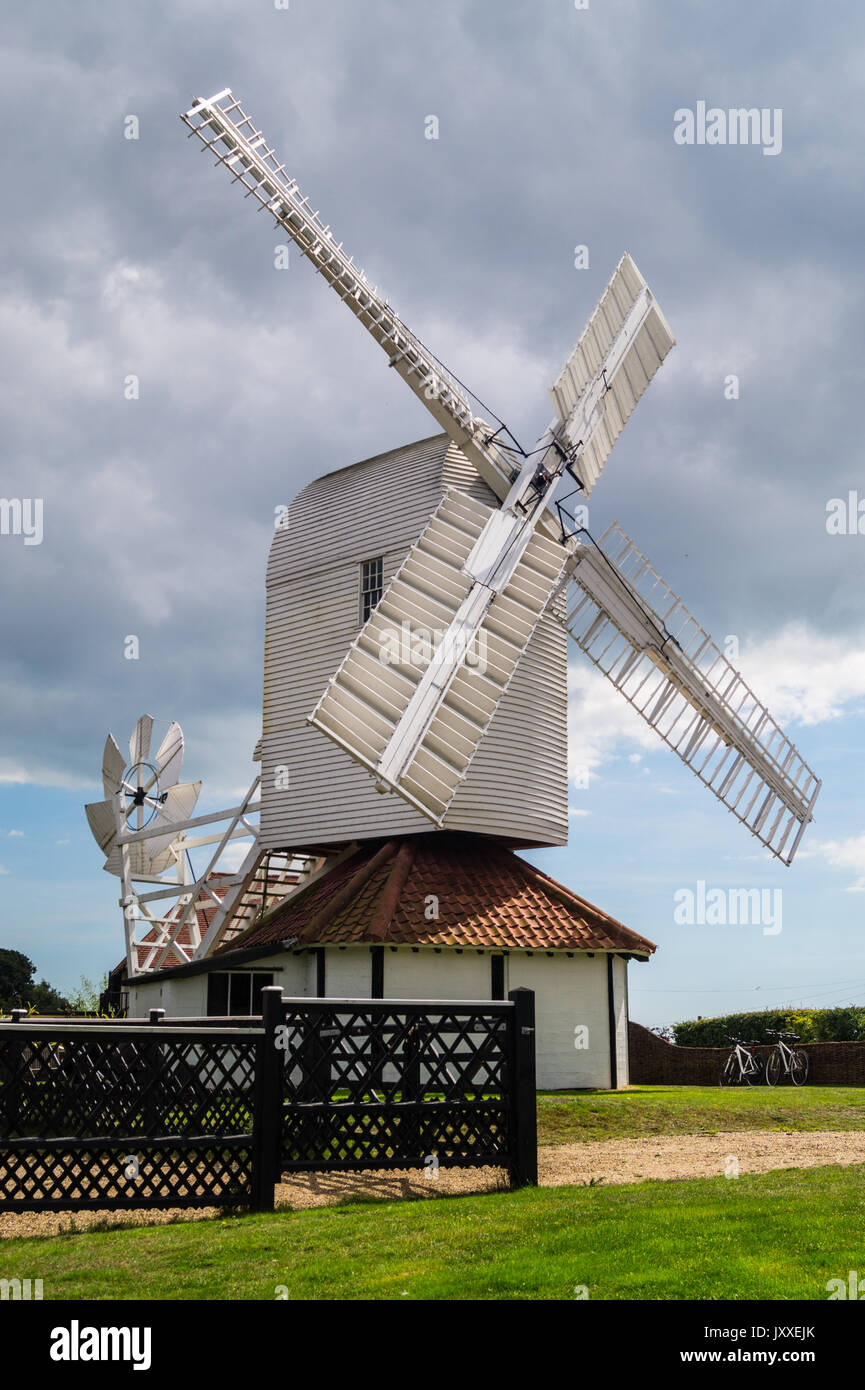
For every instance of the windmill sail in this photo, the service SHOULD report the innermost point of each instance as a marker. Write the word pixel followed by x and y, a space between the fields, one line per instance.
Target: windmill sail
pixel 175 804
pixel 639 633
pixel 618 353
pixel 371 706
pixel 481 577
pixel 227 132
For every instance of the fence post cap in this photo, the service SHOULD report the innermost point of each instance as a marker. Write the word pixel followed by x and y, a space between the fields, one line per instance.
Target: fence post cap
pixel 271 1004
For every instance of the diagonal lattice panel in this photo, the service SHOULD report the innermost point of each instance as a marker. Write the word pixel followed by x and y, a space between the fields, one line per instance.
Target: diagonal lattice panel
pixel 79 1103
pixel 78 1176
pixel 360 1054
pixel 377 1085
pixel 388 1137
pixel 87 1086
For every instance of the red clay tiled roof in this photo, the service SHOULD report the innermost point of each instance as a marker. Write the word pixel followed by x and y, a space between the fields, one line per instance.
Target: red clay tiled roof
pixel 485 897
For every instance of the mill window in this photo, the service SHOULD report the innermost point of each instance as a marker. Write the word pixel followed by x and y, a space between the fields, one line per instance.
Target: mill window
pixel 234 993
pixel 371 583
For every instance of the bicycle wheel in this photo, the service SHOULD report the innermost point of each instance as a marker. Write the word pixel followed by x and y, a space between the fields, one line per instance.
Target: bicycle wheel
pixel 729 1072
pixel 799 1067
pixel 755 1077
pixel 773 1068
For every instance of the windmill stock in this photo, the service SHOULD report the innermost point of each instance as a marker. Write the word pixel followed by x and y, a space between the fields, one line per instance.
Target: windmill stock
pixel 493 564
pixel 495 571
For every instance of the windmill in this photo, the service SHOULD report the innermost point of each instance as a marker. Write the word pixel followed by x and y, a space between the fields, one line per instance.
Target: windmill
pixel 141 828
pixel 493 572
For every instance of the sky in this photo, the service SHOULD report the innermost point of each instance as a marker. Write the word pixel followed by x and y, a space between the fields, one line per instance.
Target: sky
pixel 556 129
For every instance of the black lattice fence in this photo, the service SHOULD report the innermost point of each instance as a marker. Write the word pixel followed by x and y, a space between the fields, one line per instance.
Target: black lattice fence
pixel 130 1114
pixel 400 1084
pixel 118 1114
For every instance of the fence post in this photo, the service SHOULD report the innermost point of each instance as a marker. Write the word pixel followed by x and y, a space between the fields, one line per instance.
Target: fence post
pixel 267 1105
pixel 154 1097
pixel 12 1091
pixel 523 1108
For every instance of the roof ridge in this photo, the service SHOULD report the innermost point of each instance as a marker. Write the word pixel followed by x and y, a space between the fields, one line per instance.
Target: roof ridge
pixel 349 889
pixel 290 902
pixel 382 917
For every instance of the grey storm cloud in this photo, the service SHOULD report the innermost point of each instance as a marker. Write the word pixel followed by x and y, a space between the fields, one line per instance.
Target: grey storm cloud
pixel 135 257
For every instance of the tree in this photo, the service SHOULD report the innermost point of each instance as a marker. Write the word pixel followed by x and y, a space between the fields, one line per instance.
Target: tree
pixel 20 990
pixel 16 973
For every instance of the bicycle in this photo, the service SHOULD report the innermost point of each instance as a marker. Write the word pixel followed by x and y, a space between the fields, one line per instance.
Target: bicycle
pixel 786 1060
pixel 741 1066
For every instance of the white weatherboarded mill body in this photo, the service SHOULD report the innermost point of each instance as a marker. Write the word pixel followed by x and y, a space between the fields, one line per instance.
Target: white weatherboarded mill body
pixel 517 789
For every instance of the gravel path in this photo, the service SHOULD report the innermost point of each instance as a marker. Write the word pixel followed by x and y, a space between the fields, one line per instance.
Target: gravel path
pixel 662 1157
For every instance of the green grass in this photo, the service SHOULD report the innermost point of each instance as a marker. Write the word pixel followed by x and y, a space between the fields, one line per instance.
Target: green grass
pixel 565 1118
pixel 778 1235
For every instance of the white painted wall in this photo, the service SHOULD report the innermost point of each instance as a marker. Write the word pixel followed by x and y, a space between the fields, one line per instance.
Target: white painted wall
pixel 186 996
pixel 430 976
pixel 183 998
pixel 620 1006
pixel 570 994
pixel 348 972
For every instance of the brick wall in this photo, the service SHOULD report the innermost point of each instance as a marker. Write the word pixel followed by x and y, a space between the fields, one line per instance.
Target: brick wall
pixel 654 1062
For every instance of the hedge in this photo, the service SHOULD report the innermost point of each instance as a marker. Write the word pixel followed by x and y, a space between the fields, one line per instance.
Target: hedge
pixel 812 1025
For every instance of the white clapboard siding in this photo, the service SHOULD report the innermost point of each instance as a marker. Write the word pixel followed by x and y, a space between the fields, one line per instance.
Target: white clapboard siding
pixel 516 786
pixel 370 694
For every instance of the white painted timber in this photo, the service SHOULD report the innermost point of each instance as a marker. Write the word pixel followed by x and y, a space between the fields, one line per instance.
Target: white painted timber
pixel 639 633
pixel 224 129
pixel 113 768
pixel 397 658
pixel 617 355
pixel 312 793
pixel 153 854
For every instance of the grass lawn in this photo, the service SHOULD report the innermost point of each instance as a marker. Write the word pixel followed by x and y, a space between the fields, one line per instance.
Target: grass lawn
pixel 778 1235
pixel 567 1117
